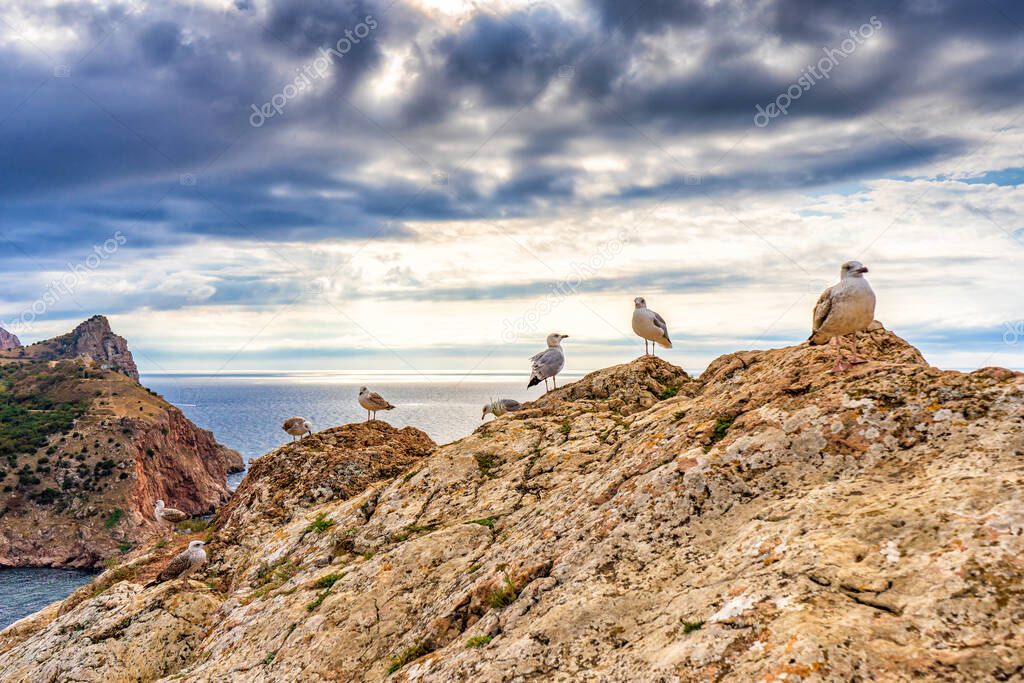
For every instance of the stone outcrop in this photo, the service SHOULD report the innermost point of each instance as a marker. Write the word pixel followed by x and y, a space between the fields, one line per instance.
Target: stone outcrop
pixel 81 489
pixel 94 339
pixel 8 340
pixel 768 521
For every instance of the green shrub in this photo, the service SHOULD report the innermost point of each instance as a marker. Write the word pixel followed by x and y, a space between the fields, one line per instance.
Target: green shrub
pixel 113 518
pixel 478 641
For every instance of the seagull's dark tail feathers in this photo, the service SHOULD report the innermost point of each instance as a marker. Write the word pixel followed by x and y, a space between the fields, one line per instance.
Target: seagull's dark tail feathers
pixel 533 380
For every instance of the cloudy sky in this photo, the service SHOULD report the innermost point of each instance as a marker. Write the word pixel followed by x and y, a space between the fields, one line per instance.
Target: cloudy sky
pixel 420 185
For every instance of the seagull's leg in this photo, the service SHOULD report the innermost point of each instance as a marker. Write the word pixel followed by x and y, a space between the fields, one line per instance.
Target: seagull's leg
pixel 554 382
pixel 645 348
pixel 841 364
pixel 856 360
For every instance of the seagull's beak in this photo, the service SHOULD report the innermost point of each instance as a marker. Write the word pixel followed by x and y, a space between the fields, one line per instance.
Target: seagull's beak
pixel 862 269
pixel 565 336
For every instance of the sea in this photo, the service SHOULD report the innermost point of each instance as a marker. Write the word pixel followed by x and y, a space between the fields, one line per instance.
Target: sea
pixel 245 411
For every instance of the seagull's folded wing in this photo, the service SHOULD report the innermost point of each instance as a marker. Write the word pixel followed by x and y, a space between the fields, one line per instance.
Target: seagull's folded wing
pixel 822 309
pixel 176 566
pixel 660 323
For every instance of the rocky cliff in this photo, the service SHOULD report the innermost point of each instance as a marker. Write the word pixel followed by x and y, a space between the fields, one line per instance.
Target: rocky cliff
pixel 8 341
pixel 769 521
pixel 85 451
pixel 92 341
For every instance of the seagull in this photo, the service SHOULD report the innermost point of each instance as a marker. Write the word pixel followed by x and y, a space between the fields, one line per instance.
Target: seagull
pixel 170 515
pixel 500 407
pixel 372 402
pixel 297 426
pixel 842 309
pixel 548 363
pixel 183 564
pixel 649 325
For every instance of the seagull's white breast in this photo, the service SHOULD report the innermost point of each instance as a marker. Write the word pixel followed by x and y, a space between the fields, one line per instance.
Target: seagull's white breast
pixel 853 308
pixel 643 325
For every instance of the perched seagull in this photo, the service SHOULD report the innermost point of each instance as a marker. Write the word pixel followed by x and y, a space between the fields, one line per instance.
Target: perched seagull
pixel 844 308
pixel 297 426
pixel 500 407
pixel 548 363
pixel 170 515
pixel 372 402
pixel 649 325
pixel 183 564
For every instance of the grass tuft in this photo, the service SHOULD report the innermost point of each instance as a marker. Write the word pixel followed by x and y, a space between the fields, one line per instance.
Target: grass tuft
pixel 486 463
pixel 321 524
pixel 668 392
pixel 424 647
pixel 327 581
pixel 502 597
pixel 721 428
pixel 691 626
pixel 478 641
pixel 486 521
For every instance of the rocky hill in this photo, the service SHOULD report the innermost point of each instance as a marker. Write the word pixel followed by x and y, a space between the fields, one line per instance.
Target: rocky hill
pixel 85 451
pixel 766 522
pixel 92 341
pixel 8 341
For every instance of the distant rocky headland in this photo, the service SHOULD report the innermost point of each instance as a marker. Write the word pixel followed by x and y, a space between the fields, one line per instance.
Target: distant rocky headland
pixel 768 521
pixel 8 340
pixel 85 451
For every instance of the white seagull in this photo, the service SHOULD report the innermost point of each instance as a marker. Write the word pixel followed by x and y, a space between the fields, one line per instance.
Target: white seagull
pixel 297 426
pixel 548 363
pixel 372 402
pixel 183 564
pixel 844 308
pixel 170 515
pixel 500 407
pixel 649 325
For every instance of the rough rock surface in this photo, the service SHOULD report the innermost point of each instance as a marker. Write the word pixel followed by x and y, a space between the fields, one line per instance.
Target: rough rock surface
pixel 87 492
pixel 767 522
pixel 8 340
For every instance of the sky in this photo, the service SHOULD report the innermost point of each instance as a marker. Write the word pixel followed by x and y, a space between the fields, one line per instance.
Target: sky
pixel 435 185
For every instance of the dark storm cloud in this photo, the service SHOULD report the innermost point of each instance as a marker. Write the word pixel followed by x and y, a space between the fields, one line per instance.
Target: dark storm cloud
pixel 164 93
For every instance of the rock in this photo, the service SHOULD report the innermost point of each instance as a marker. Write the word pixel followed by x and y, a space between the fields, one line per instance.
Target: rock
pixel 767 521
pixel 8 340
pixel 94 339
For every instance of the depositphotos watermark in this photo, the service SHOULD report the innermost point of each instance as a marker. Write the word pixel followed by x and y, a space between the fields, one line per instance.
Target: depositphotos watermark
pixel 67 283
pixel 1014 332
pixel 813 73
pixel 312 71
pixel 529 321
